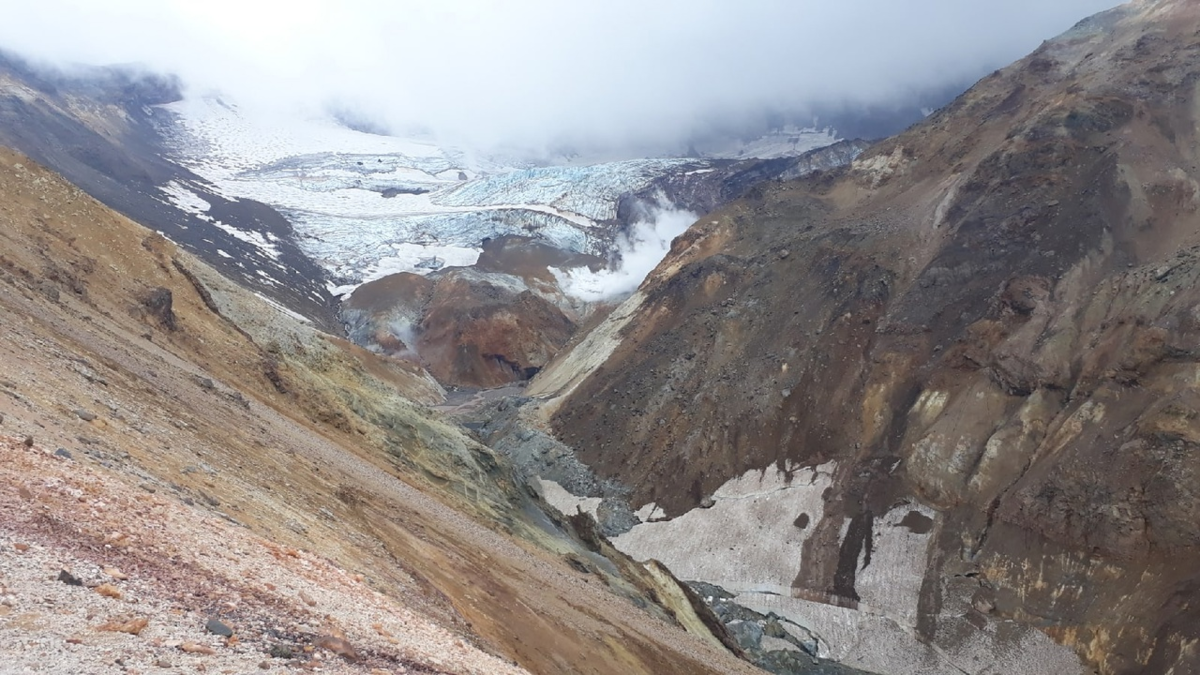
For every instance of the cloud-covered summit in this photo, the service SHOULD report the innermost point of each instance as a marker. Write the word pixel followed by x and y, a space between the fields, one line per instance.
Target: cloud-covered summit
pixel 543 71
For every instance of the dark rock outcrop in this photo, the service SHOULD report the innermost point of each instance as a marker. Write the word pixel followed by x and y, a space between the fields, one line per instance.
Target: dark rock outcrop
pixel 722 181
pixel 796 647
pixel 157 302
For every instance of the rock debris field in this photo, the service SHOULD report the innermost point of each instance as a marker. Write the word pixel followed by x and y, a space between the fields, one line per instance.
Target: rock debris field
pixel 97 576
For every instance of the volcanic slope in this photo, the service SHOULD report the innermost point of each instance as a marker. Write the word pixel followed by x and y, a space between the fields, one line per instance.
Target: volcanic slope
pixel 99 128
pixel 985 334
pixel 186 451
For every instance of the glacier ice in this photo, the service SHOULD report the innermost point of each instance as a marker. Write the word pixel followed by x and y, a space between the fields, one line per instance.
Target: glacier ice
pixel 363 205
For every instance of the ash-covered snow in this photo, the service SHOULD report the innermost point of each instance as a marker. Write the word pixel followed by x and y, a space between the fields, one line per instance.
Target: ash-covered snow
pixel 185 199
pixel 263 242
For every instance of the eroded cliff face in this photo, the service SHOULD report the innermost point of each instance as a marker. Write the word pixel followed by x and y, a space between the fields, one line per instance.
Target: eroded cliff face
pixel 993 316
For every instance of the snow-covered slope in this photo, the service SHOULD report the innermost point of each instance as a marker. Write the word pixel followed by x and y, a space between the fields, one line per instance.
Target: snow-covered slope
pixel 365 205
pixel 790 141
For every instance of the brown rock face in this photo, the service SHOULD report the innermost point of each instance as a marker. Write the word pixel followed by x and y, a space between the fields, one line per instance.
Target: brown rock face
pixel 480 334
pixel 484 326
pixel 995 314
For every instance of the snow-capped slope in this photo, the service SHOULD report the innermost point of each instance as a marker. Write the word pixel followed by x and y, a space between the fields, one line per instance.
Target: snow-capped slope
pixel 102 131
pixel 364 206
pixel 235 141
pixel 790 141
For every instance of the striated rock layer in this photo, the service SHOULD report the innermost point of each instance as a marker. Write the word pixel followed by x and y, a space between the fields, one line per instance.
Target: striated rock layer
pixel 991 320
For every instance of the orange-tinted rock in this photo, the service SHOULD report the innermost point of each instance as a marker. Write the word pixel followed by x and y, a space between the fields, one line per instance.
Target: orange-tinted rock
pixel 477 327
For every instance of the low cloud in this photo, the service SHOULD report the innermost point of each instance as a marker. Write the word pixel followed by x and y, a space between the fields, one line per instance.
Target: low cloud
pixel 535 72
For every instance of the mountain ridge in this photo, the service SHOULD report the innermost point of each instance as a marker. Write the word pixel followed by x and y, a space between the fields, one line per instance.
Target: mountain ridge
pixel 929 403
pixel 98 130
pixel 973 318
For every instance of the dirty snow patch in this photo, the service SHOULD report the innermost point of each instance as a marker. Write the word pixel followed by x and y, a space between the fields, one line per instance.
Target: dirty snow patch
pixel 567 503
pixel 184 199
pixel 299 317
pixel 749 539
pixel 259 241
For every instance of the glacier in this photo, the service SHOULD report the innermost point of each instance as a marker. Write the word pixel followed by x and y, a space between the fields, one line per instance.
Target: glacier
pixel 364 205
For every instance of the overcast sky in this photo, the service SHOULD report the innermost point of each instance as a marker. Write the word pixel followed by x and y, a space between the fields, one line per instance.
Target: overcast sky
pixel 536 70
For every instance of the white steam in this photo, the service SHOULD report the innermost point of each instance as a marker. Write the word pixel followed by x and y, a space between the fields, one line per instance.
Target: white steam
pixel 405 330
pixel 638 252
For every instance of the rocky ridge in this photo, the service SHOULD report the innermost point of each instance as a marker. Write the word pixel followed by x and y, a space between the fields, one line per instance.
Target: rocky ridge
pixel 99 129
pixel 986 321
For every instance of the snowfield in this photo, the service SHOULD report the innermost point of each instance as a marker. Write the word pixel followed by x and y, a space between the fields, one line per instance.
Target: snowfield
pixel 365 206
pixel 786 142
pixel 588 191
